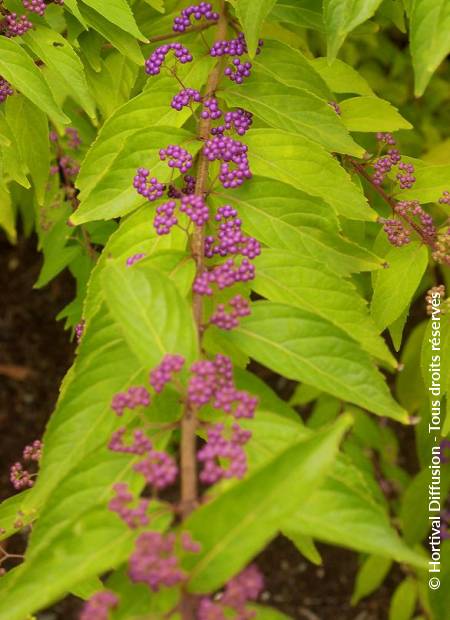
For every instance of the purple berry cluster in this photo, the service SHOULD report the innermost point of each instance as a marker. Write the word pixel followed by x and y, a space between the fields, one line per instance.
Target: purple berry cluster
pixel 136 516
pixel 223 457
pixel 154 561
pixel 406 177
pixel 131 399
pixel 445 198
pixel 16 25
pixel 229 239
pixel 158 469
pixel 229 151
pixel 240 307
pixel 197 11
pixel 224 275
pixel 195 208
pixel 237 71
pixel 156 60
pixel 185 97
pixel 164 372
pixel 79 330
pixel 211 109
pixel 177 157
pixel 135 258
pixel 412 208
pixel 20 477
pixel 238 121
pixel 5 89
pixel 239 591
pixel 165 217
pixel 141 443
pixel 35 6
pixel 150 188
pixel 99 606
pixel 385 137
pixel 396 232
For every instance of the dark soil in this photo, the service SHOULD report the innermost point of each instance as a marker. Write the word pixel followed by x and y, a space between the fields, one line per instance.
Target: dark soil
pixel 35 352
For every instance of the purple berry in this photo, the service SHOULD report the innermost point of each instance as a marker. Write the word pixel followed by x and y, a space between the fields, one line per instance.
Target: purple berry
pixel 197 11
pixel 153 64
pixel 99 606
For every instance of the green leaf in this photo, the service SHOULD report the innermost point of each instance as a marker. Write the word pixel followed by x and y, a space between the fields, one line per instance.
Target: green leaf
pixel 343 512
pixel 371 114
pixel 306 166
pixel 150 312
pixel 395 286
pixel 234 526
pixel 9 514
pixel 251 14
pixel 83 420
pixel 68 548
pixel 59 56
pixel 7 214
pixel 343 16
pixel 114 194
pixel 429 23
pixel 304 347
pixel 288 65
pixel 29 126
pixel 431 181
pixel 303 13
pixel 403 602
pixel 370 576
pixel 306 546
pixel 341 77
pixel 293 110
pixel 118 12
pixel 123 144
pixel 20 70
pixel 121 40
pixel 267 613
pixel 282 217
pixel 283 276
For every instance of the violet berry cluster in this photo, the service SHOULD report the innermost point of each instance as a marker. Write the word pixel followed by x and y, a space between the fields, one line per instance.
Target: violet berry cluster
pixel 65 164
pixel 155 62
pixel 5 89
pixel 14 25
pixel 20 477
pixel 197 11
pixel 233 602
pixel 98 607
pixel 237 70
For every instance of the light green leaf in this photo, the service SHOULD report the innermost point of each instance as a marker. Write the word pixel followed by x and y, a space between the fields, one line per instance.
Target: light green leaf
pixel 7 214
pixel 343 512
pixel 303 13
pixel 431 181
pixel 234 526
pixel 293 110
pixel 370 576
pixel 286 64
pixel 283 276
pixel 306 546
pixel 121 40
pixel 130 138
pixel 306 166
pixel 29 126
pixel 371 114
pixel 20 70
pixel 118 12
pixel 403 602
pixel 304 347
pixel 251 14
pixel 282 217
pixel 149 311
pixel 341 77
pixel 9 514
pixel 267 613
pixel 72 5
pixel 429 23
pixel 114 194
pixel 395 286
pixel 59 56
pixel 158 5
pixel 343 16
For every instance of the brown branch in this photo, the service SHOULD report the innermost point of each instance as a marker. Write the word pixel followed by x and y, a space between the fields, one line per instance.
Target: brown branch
pixel 189 487
pixel 390 201
pixel 175 35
